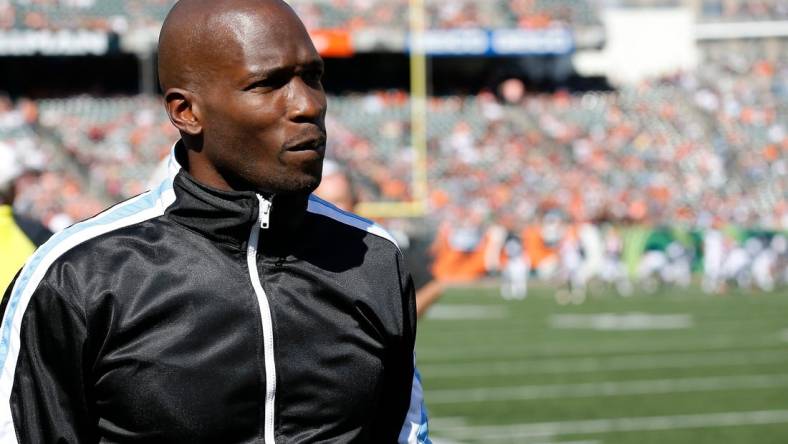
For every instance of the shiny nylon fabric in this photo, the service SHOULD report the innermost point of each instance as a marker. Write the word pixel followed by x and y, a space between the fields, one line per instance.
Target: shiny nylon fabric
pixel 153 332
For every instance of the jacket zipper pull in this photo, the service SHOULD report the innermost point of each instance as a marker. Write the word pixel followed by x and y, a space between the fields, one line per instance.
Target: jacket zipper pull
pixel 264 216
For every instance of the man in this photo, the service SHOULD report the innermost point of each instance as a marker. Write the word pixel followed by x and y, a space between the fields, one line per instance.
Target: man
pixel 227 305
pixel 337 187
pixel 19 236
pixel 713 257
pixel 516 270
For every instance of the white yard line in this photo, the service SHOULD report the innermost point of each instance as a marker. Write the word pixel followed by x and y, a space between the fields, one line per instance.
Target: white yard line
pixel 784 335
pixel 449 420
pixel 596 364
pixel 594 426
pixel 521 440
pixel 516 349
pixel 606 388
pixel 514 326
pixel 459 422
pixel 436 440
pixel 566 442
pixel 467 312
pixel 634 321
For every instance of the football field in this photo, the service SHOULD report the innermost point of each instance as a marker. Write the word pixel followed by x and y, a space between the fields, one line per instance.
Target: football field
pixel 672 367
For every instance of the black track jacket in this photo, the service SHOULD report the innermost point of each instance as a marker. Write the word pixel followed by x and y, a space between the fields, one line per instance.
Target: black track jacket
pixel 192 315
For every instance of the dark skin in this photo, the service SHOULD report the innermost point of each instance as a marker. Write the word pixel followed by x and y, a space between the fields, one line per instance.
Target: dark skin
pixel 241 81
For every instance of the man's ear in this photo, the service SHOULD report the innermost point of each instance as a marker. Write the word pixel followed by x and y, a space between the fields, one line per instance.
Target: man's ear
pixel 183 111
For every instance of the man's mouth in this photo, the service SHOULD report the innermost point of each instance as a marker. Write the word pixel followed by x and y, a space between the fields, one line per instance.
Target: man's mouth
pixel 311 144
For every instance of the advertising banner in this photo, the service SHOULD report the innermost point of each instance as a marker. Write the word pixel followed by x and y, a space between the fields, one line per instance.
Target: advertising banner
pixel 500 42
pixel 332 42
pixel 28 42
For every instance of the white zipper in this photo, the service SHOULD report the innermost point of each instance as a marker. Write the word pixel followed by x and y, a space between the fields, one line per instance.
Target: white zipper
pixel 265 212
pixel 263 220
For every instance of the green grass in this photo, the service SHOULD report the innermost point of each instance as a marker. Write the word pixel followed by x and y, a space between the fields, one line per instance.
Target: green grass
pixel 498 371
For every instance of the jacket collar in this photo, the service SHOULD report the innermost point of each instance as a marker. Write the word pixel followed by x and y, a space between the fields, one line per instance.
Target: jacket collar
pixel 227 217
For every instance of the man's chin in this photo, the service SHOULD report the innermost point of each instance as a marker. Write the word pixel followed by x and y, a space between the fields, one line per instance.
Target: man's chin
pixel 303 185
pixel 311 176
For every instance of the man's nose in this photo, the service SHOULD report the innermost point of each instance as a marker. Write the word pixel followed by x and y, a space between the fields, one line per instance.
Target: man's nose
pixel 307 102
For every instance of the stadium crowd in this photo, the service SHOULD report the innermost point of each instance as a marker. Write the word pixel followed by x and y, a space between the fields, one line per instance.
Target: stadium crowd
pixel 697 150
pixel 749 10
pixel 685 150
pixel 127 16
pixel 98 15
pixel 358 14
pixel 123 17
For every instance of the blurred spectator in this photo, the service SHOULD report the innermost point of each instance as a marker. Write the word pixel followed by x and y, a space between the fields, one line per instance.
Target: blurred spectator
pixel 141 15
pixel 702 146
pixel 680 150
pixel 51 191
pixel 743 10
pixel 19 236
pixel 145 15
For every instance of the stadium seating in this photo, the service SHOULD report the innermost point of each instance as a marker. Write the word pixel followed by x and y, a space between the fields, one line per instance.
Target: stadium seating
pixel 742 10
pixel 117 140
pixel 704 145
pixel 121 16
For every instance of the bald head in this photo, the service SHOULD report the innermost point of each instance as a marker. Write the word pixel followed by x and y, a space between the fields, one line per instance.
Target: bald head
pixel 198 35
pixel 242 83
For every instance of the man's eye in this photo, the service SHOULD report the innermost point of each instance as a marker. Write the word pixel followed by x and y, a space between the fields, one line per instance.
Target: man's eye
pixel 278 81
pixel 312 76
pixel 269 83
pixel 263 84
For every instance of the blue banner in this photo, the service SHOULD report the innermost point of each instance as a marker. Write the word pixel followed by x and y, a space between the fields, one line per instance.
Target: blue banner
pixel 555 40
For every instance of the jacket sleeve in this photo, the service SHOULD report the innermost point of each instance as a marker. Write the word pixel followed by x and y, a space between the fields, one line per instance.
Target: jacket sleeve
pixel 414 428
pixel 37 233
pixel 42 385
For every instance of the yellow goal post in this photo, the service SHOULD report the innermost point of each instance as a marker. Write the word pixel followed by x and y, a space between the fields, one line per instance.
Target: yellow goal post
pixel 418 133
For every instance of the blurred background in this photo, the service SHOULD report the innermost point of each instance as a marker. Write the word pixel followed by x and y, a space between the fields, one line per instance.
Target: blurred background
pixel 593 191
